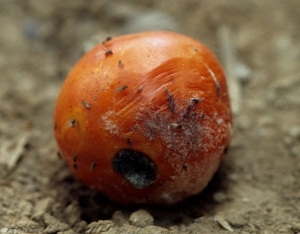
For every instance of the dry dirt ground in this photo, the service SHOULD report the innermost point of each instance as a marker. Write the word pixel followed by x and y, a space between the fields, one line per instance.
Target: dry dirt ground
pixel 256 190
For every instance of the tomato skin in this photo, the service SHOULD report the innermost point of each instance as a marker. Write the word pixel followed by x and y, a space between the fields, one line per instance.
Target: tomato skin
pixel 145 117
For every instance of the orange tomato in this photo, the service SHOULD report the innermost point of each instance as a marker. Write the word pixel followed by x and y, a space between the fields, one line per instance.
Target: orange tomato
pixel 145 117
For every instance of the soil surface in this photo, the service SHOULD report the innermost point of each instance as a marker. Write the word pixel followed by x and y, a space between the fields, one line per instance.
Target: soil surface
pixel 256 190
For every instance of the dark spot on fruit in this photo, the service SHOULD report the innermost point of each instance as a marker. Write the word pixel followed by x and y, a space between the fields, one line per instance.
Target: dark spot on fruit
pixel 191 107
pixel 135 167
pixel 139 89
pixel 121 88
pixel 73 122
pixel 75 158
pixel 218 88
pixel 128 141
pixel 184 167
pixel 86 105
pixel 75 166
pixel 119 63
pixel 93 166
pixel 171 101
pixel 55 125
pixel 195 100
pixel 108 53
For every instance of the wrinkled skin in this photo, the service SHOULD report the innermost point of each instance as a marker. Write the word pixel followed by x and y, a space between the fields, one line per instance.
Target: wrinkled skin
pixel 145 118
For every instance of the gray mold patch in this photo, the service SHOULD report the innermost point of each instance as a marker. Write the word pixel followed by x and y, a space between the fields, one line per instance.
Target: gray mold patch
pixel 179 128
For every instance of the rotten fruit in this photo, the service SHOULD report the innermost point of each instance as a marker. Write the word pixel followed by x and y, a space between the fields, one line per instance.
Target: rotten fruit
pixel 145 117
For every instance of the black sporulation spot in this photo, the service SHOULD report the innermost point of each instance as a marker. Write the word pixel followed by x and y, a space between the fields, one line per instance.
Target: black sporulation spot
pixel 86 105
pixel 195 100
pixel 171 101
pixel 75 158
pixel 218 87
pixel 191 107
pixel 135 167
pixel 184 167
pixel 128 141
pixel 93 166
pixel 108 53
pixel 121 88
pixel 73 122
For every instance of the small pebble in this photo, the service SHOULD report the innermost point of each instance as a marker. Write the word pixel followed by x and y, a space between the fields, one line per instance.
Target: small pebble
pixel 141 218
pixel 219 197
pixel 118 217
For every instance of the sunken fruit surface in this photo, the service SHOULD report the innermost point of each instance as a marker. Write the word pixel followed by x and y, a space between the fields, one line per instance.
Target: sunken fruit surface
pixel 145 118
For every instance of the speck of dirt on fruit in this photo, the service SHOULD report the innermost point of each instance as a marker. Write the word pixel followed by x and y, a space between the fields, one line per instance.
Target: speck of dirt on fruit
pixel 75 158
pixel 128 141
pixel 121 88
pixel 139 89
pixel 86 105
pixel 72 123
pixel 93 166
pixel 108 53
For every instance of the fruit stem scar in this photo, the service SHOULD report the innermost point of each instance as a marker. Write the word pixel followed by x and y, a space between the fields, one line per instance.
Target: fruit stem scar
pixel 170 100
pixel 212 74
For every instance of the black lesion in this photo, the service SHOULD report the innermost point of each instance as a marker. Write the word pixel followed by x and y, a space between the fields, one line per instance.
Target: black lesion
pixel 171 101
pixel 73 123
pixel 128 141
pixel 218 87
pixel 135 167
